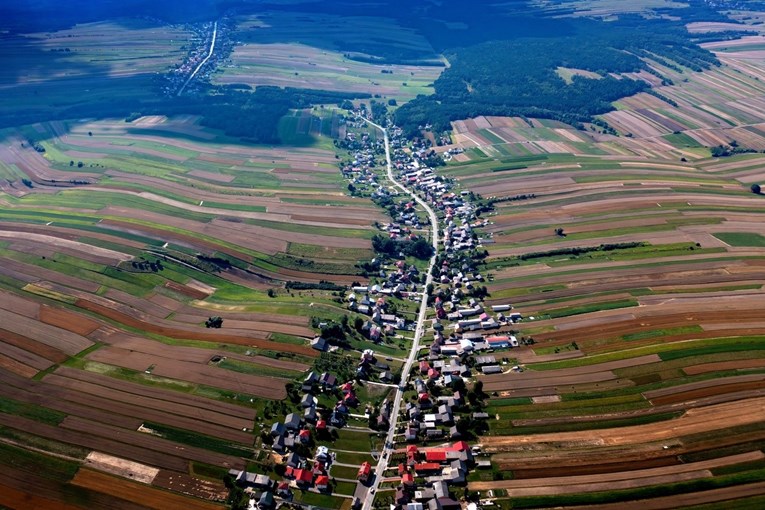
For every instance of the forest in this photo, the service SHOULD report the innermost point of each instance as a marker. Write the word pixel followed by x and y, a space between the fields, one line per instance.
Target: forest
pixel 518 77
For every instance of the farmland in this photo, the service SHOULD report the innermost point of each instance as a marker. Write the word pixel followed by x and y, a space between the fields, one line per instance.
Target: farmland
pixel 630 243
pixel 635 260
pixel 117 243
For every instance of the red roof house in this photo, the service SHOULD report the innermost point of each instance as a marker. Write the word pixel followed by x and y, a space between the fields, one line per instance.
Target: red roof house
pixel 435 456
pixel 424 467
pixel 364 471
pixel 322 482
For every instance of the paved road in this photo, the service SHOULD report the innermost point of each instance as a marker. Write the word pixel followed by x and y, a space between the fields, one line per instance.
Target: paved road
pixel 204 61
pixel 382 464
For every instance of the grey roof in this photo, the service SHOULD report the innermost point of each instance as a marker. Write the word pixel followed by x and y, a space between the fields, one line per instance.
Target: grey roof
pixel 292 421
pixel 277 429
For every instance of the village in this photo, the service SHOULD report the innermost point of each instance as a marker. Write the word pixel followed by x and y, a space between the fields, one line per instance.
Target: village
pixel 428 461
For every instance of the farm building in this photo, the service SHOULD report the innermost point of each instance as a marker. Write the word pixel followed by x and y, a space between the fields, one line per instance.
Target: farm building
pixel 491 369
pixel 485 360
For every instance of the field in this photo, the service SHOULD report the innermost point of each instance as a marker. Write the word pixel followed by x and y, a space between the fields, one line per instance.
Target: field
pixel 637 263
pixel 118 240
pixel 93 63
pixel 305 51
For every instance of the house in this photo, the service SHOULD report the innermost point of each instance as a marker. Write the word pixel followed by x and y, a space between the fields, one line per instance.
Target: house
pixel 434 433
pixel 322 453
pixel 304 436
pixel 441 489
pixel 283 490
pixel 407 479
pixel 411 454
pixel 424 468
pixel 319 343
pixel 266 500
pixel 454 433
pixel 309 414
pixel 303 476
pixel 322 482
pixel 292 460
pixel 328 380
pixel 386 376
pixel 336 419
pixel 292 421
pixel 277 429
pixel 279 445
pixel 347 387
pixel 308 400
pixel 401 498
pixel 321 425
pixel 414 506
pixel 435 456
pixel 411 433
pixel 498 342
pixel 311 379
pixel 364 471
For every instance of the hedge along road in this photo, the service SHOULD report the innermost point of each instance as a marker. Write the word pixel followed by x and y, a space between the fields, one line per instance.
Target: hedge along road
pixel 382 464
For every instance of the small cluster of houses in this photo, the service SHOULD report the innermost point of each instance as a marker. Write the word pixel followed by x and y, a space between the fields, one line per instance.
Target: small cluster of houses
pixel 440 467
pixel 300 473
pixel 371 300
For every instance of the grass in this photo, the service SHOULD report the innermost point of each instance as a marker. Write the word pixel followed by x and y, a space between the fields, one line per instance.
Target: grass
pixel 589 308
pixel 347 488
pixel 199 440
pixel 245 367
pixel 754 345
pixel 654 333
pixel 52 468
pixel 350 440
pixel 344 472
pixel 741 238
pixel 31 411
pixel 44 443
pixel 687 348
pixel 320 500
pixel 574 426
pixel 354 458
pixel 208 471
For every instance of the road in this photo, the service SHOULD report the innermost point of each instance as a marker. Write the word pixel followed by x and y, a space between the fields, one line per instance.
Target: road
pixel 382 464
pixel 204 61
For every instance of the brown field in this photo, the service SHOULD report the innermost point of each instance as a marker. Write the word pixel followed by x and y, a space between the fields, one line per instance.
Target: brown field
pixel 724 365
pixel 69 321
pixel 615 480
pixel 138 493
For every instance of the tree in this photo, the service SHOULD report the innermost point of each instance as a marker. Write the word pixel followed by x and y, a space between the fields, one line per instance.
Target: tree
pixel 756 189
pixel 559 232
pixel 271 293
pixel 214 322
